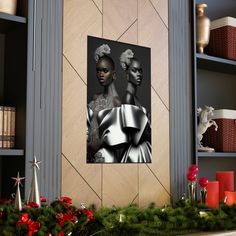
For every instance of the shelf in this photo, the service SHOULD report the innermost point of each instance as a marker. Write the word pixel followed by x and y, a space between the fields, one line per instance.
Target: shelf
pixel 11 152
pixel 215 64
pixel 217 154
pixel 8 21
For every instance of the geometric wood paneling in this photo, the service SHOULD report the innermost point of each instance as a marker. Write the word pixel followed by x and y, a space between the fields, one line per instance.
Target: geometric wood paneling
pixel 98 4
pixel 74 186
pixel 150 190
pixel 141 22
pixel 161 6
pixel 160 142
pixel 81 18
pixel 74 127
pixel 131 35
pixel 120 184
pixel 153 33
pixel 117 17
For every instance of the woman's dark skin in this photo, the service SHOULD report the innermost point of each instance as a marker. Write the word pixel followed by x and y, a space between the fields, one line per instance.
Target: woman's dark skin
pixel 134 78
pixel 105 73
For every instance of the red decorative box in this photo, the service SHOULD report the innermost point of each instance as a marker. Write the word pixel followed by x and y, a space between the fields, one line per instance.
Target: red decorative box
pixel 224 139
pixel 223 38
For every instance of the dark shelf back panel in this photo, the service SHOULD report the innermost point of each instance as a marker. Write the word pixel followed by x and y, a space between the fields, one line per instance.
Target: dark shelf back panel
pixel 216 89
pixel 209 165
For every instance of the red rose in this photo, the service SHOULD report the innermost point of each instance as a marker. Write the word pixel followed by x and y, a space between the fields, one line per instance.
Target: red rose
pixel 61 234
pixel 191 176
pixel 66 200
pixel 23 219
pixel 33 227
pixel 43 199
pixel 89 214
pixel 60 218
pixel 193 168
pixel 203 182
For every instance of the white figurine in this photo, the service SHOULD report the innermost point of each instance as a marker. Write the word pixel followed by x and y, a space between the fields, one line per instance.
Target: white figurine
pixel 205 122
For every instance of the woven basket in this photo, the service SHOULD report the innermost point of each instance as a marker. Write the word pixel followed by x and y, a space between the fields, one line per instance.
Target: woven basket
pixel 8 6
pixel 223 38
pixel 223 140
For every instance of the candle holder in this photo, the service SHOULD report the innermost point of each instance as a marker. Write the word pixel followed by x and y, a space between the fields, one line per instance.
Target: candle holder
pixel 192 191
pixel 203 193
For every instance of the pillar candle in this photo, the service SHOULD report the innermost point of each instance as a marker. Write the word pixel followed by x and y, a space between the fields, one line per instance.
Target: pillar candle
pixel 230 198
pixel 212 198
pixel 226 182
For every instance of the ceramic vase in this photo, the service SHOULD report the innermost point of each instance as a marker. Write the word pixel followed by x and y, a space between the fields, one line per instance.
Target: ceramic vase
pixel 203 27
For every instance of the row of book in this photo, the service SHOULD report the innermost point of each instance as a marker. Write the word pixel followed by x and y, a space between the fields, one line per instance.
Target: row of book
pixel 7 126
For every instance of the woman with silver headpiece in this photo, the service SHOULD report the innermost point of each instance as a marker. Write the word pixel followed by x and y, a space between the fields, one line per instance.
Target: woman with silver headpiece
pixel 135 117
pixel 105 72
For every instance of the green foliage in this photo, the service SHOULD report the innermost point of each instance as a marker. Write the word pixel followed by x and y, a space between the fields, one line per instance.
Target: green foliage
pixel 182 218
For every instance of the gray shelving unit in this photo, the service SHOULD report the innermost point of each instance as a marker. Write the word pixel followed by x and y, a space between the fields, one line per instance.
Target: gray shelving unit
pixel 13 83
pixel 30 80
pixel 214 84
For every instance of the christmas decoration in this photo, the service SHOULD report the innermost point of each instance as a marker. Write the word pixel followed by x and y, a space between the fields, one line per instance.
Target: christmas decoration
pixel 34 193
pixel 192 177
pixel 203 184
pixel 62 218
pixel 18 203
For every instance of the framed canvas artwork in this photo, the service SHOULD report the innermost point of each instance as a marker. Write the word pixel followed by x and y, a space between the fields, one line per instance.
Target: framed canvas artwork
pixel 118 102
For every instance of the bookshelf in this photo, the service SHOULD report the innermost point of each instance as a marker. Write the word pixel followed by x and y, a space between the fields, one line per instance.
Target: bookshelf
pixel 13 90
pixel 214 84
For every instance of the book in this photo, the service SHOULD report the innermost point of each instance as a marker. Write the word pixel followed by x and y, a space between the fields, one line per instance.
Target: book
pixel 12 127
pixel 1 126
pixel 6 128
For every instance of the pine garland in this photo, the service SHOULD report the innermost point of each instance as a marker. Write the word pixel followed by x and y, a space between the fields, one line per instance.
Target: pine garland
pixel 62 218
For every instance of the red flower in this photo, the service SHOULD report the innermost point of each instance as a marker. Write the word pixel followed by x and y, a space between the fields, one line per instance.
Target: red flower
pixel 60 218
pixel 23 219
pixel 43 199
pixel 31 205
pixel 66 200
pixel 49 234
pixel 61 234
pixel 191 176
pixel 193 169
pixel 33 227
pixel 89 214
pixel 63 217
pixel 203 182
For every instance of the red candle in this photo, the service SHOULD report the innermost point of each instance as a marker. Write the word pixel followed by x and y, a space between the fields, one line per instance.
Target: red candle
pixel 230 198
pixel 226 182
pixel 212 198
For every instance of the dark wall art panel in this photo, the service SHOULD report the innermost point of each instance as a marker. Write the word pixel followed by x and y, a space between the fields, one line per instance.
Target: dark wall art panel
pixel 118 102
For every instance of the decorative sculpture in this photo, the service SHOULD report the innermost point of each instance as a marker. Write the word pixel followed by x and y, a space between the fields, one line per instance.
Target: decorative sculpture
pixel 18 203
pixel 34 193
pixel 205 122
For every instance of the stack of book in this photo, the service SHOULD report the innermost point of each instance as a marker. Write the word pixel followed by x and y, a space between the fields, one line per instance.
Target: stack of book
pixel 7 126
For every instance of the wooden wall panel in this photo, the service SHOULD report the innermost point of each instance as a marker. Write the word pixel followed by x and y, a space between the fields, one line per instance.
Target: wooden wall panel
pixel 81 18
pixel 74 186
pixel 142 22
pixel 153 33
pixel 74 132
pixel 161 7
pixel 98 4
pixel 118 16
